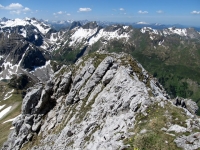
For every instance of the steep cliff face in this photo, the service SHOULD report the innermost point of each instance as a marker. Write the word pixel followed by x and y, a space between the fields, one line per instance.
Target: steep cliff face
pixel 21 47
pixel 104 101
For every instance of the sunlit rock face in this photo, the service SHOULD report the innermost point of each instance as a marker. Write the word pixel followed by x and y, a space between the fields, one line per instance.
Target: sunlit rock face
pixel 93 104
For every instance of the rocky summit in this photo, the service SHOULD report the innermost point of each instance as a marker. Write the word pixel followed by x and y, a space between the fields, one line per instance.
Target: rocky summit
pixel 104 101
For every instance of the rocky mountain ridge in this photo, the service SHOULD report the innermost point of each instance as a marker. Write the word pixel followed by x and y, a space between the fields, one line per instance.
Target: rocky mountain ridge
pixel 99 103
pixel 19 48
pixel 33 48
pixel 31 36
pixel 63 24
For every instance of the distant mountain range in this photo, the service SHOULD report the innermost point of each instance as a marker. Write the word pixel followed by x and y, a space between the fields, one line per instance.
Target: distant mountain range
pixel 33 46
pixel 62 24
pixel 98 85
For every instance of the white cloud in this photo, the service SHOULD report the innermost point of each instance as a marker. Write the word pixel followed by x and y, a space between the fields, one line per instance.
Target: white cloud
pixel 15 8
pixel 26 9
pixel 1 6
pixel 60 12
pixel 84 9
pixel 195 12
pixel 122 9
pixel 159 11
pixel 143 12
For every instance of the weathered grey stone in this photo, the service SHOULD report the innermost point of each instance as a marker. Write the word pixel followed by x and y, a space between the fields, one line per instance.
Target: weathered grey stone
pixel 18 123
pixel 176 128
pixel 191 106
pixel 52 123
pixel 29 119
pixel 100 116
pixel 89 127
pixel 76 99
pixel 56 85
pixel 108 76
pixel 70 97
pixel 81 77
pixel 64 85
pixel 191 142
pixel 61 114
pixel 31 99
pixel 45 97
pixel 96 77
pixel 36 126
pixel 29 137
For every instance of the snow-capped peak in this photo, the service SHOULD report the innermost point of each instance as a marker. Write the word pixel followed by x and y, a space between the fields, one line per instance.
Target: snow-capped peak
pixel 167 31
pixel 43 28
pixel 14 23
pixel 141 22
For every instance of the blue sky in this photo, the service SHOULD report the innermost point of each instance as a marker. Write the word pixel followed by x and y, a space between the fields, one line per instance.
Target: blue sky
pixel 186 12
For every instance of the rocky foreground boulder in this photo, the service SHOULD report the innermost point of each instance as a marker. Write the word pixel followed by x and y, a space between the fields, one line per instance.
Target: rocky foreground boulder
pixel 104 101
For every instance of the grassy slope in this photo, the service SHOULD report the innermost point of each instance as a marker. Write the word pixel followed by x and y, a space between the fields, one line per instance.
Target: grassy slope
pixel 15 101
pixel 177 67
pixel 148 134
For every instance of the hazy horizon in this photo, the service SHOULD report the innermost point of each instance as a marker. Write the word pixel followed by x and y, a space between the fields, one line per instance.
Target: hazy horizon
pixel 182 12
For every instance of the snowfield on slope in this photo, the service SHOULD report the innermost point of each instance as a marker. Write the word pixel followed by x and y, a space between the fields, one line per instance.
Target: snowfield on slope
pixel 5 111
pixel 109 35
pixel 43 28
pixel 165 32
pixel 81 34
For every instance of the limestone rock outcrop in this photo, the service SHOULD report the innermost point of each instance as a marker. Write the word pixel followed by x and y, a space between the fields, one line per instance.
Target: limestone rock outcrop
pixel 94 104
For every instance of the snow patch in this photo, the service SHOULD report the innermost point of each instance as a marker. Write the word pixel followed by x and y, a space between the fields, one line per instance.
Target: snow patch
pixel 161 42
pixel 53 37
pixel 14 23
pixel 141 22
pixel 43 28
pixel 21 60
pixel 165 32
pixel 81 34
pixel 125 27
pixel 36 37
pixel 181 32
pixel 43 73
pixel 12 128
pixel 2 106
pixel 151 37
pixel 1 57
pixel 150 30
pixel 44 46
pixel 108 36
pixel 10 120
pixel 7 96
pixel 46 64
pixel 23 32
pixel 5 111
